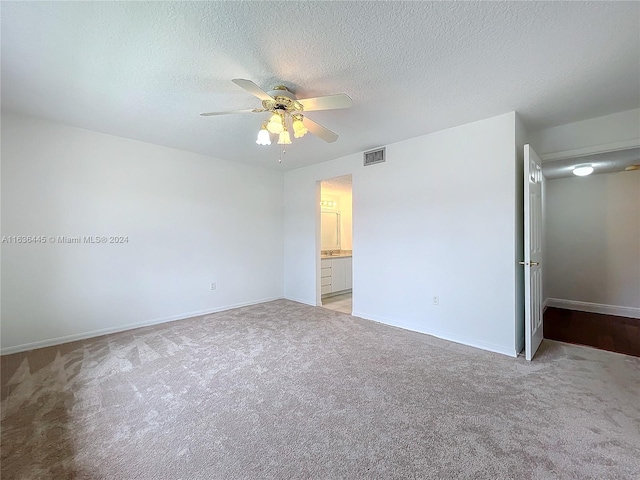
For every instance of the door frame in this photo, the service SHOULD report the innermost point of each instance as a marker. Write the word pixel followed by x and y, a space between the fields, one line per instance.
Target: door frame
pixel 318 232
pixel 582 152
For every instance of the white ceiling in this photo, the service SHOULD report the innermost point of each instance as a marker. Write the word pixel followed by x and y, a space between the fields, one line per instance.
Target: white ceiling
pixel 608 162
pixel 145 70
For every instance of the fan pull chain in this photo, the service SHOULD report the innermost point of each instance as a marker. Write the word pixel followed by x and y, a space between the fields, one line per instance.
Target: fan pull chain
pixel 282 152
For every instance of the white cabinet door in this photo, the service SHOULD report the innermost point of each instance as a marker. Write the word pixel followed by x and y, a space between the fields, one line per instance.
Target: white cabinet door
pixel 338 274
pixel 349 273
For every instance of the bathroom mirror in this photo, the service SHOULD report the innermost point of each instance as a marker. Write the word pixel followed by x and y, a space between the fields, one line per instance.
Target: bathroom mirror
pixel 330 230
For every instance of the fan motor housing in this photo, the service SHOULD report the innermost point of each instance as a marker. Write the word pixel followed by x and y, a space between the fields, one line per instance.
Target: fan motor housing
pixel 283 100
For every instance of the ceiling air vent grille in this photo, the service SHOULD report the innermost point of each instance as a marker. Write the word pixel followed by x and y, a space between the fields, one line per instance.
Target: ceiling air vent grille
pixel 374 156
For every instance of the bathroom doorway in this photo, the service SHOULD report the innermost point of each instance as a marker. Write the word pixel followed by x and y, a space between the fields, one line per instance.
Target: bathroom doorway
pixel 336 244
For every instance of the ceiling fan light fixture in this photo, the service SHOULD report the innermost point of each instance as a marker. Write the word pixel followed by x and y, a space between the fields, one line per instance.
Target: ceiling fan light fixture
pixel 285 113
pixel 284 138
pixel 263 136
pixel 299 130
pixel 276 124
pixel 583 170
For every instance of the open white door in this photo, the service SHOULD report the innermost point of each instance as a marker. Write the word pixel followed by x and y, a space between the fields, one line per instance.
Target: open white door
pixel 532 252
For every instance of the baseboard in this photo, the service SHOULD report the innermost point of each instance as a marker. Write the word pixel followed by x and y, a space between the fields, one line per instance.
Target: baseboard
pixel 300 300
pixel 443 335
pixel 545 304
pixel 630 312
pixel 105 331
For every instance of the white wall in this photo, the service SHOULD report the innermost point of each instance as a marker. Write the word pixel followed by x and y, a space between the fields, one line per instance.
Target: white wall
pixel 593 240
pixel 190 220
pixel 438 218
pixel 594 132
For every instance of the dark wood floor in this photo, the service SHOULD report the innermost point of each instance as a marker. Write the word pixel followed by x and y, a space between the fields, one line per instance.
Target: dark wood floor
pixel 606 332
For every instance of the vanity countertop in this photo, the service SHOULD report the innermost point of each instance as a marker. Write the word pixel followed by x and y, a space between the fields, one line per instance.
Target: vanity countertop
pixel 340 255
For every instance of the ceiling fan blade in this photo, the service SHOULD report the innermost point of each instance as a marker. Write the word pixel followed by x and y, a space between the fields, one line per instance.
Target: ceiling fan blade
pixel 319 131
pixel 252 88
pixel 328 102
pixel 248 110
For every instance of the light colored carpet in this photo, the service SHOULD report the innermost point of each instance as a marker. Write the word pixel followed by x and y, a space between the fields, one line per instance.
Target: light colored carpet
pixel 283 390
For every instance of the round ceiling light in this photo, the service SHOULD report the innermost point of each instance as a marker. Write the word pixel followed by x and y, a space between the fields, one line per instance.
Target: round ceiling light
pixel 583 170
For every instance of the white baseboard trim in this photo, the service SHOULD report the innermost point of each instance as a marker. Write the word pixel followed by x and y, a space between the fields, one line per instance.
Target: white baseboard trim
pixel 300 300
pixel 443 335
pixel 631 312
pixel 122 328
pixel 545 305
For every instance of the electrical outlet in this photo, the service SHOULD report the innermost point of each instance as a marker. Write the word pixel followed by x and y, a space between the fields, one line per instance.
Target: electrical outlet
pixel 436 300
pixel 213 285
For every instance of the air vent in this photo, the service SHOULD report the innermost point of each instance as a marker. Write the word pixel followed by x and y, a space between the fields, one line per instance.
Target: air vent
pixel 374 156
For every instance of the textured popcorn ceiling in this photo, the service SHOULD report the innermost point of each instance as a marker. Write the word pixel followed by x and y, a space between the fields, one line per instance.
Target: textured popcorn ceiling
pixel 146 70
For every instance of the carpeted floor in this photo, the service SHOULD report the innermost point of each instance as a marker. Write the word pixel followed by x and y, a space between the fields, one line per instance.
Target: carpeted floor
pixel 283 390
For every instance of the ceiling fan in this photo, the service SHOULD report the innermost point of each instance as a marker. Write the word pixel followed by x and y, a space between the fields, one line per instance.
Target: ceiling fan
pixel 287 111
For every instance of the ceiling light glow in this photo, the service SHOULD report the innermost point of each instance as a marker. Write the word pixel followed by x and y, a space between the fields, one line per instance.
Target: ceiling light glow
pixel 275 124
pixel 583 170
pixel 284 138
pixel 299 130
pixel 263 136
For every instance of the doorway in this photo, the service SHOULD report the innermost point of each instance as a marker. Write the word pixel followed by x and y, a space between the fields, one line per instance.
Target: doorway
pixel 592 251
pixel 336 244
